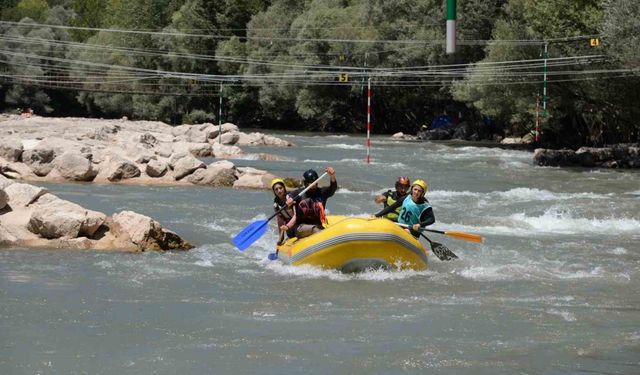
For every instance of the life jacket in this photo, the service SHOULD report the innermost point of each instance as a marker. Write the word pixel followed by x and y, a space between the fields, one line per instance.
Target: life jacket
pixel 311 211
pixel 392 197
pixel 285 214
pixel 411 211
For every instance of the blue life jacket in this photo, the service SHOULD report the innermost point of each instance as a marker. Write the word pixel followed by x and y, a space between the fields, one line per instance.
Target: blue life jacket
pixel 411 211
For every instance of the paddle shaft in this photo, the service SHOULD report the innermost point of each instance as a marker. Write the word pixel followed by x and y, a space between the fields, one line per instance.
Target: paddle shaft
pixel 296 197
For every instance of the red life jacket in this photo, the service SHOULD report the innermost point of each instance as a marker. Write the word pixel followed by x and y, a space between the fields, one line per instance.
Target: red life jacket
pixel 311 212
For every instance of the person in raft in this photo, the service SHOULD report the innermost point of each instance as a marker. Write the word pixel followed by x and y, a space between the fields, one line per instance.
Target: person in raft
pixel 286 217
pixel 390 197
pixel 416 210
pixel 310 216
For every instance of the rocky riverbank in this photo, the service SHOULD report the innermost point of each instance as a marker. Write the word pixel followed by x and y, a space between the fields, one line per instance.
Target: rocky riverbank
pixel 616 156
pixel 32 217
pixel 133 152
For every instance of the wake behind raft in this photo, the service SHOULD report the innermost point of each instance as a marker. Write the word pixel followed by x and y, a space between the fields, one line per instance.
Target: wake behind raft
pixel 355 244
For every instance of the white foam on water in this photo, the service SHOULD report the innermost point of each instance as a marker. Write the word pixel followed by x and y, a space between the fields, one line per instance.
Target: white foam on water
pixel 315 161
pixel 341 146
pixel 347 191
pixel 562 222
pixel 566 315
pixel 529 271
pixel 617 251
pixel 521 194
pixel 553 221
pixel 637 192
pixel 310 272
pixel 445 194
pixel 532 194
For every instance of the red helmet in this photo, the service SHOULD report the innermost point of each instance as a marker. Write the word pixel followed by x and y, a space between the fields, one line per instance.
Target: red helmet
pixel 403 181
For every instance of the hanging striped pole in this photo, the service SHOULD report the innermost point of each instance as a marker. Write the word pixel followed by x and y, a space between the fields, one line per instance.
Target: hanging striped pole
pixel 369 121
pixel 451 26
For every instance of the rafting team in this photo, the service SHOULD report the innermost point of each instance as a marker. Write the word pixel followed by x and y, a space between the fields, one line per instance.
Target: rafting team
pixel 301 215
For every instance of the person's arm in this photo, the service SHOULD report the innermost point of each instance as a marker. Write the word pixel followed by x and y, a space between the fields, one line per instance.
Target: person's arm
pixel 380 199
pixel 328 191
pixel 391 208
pixel 427 218
pixel 292 222
pixel 278 217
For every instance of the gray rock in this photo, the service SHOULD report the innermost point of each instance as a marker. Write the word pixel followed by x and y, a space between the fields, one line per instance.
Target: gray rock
pixel 39 159
pixel 554 158
pixel 53 217
pixel 185 166
pixel 11 149
pixel 22 195
pixel 217 177
pixel 145 233
pixel 72 165
pixel 148 140
pixel 156 168
pixel 118 169
pixel 228 138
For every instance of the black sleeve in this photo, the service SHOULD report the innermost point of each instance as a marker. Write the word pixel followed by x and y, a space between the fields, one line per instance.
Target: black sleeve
pixel 427 217
pixel 328 191
pixel 391 208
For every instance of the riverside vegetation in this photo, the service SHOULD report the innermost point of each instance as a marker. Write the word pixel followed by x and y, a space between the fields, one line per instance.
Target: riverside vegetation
pixel 63 58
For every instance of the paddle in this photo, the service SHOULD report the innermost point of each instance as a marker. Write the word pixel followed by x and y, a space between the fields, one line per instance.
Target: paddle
pixel 252 232
pixel 439 250
pixel 459 235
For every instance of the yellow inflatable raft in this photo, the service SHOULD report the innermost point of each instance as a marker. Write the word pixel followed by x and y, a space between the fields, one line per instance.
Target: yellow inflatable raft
pixel 354 244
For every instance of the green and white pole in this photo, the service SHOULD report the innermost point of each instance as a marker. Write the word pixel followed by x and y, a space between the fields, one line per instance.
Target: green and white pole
pixel 220 117
pixel 451 26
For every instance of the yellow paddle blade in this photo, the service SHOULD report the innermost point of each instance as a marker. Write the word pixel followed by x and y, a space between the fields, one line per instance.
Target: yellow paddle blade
pixel 465 236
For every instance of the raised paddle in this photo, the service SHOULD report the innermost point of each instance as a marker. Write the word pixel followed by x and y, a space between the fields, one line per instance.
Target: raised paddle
pixel 252 232
pixel 442 252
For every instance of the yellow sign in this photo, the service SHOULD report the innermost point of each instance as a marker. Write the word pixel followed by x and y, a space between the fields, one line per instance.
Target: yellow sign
pixel 594 42
pixel 344 77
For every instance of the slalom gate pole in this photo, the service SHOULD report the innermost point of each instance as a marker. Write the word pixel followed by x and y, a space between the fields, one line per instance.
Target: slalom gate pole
pixel 369 121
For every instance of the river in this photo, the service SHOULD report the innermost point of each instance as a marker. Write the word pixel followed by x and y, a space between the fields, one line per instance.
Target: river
pixel 552 290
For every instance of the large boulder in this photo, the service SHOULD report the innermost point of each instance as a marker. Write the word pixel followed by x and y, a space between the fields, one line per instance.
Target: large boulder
pixel 53 217
pixel 185 166
pixel 230 138
pixel 119 168
pixel 554 158
pixel 22 195
pixel 221 173
pixel 75 166
pixel 270 140
pixel 11 149
pixel 252 178
pixel 39 159
pixel 144 232
pixel 156 168
pixel 195 149
pixel 224 151
pixel 14 170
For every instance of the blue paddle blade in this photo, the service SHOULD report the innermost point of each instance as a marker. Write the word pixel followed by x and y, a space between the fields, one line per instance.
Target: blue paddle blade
pixel 250 234
pixel 272 256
